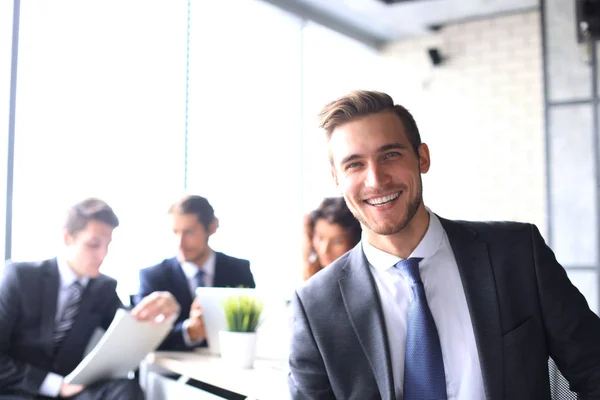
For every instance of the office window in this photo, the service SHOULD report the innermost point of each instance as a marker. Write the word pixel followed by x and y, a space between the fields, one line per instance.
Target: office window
pixel 244 132
pixel 333 65
pixel 6 27
pixel 258 77
pixel 100 112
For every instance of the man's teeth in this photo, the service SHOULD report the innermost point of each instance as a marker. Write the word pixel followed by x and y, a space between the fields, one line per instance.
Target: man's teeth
pixel 382 200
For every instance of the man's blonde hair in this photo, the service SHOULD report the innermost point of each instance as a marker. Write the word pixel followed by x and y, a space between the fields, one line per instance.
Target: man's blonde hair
pixel 360 103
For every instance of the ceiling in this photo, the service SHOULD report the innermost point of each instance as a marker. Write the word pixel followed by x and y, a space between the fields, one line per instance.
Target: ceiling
pixel 374 22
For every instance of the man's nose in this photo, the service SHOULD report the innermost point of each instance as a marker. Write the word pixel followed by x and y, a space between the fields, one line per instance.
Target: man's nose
pixel 102 255
pixel 376 176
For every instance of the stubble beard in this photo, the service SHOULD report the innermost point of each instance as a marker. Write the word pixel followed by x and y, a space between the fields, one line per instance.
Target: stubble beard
pixel 198 258
pixel 391 228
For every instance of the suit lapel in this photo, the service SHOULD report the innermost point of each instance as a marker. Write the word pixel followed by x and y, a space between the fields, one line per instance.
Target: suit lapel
pixel 367 321
pixel 219 276
pixel 180 283
pixel 49 298
pixel 480 290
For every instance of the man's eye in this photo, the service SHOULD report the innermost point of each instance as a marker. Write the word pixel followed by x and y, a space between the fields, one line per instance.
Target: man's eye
pixel 392 154
pixel 352 165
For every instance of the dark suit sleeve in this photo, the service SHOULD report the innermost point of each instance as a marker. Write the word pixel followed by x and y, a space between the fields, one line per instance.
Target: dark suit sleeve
pixel 13 373
pixel 248 278
pixel 308 377
pixel 572 329
pixel 148 284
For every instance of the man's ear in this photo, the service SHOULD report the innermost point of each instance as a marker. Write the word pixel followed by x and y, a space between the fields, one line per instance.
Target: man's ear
pixel 334 177
pixel 67 237
pixel 424 158
pixel 213 226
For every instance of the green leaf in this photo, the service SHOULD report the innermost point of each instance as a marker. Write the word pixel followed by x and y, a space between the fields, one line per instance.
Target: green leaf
pixel 242 313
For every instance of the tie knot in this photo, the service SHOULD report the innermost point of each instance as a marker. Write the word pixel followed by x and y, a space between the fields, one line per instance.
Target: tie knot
pixel 410 269
pixel 77 286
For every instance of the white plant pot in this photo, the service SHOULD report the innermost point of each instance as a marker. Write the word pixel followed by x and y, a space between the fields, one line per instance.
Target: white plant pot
pixel 238 349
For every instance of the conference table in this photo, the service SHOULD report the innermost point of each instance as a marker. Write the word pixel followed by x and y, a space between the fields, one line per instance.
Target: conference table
pixel 266 381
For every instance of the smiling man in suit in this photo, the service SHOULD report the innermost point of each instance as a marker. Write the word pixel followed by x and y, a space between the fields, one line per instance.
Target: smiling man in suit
pixel 50 309
pixel 196 264
pixel 424 307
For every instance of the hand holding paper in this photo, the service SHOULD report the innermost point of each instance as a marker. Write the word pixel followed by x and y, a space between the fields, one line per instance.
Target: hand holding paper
pixel 68 390
pixel 124 345
pixel 156 307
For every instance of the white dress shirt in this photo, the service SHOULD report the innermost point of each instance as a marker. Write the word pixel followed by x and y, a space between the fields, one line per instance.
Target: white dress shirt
pixel 190 270
pixel 52 383
pixel 448 304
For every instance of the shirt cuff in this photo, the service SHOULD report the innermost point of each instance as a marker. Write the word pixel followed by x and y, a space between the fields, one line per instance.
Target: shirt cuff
pixel 186 336
pixel 51 385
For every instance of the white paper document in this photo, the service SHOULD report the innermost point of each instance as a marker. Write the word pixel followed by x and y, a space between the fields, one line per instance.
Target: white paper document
pixel 120 350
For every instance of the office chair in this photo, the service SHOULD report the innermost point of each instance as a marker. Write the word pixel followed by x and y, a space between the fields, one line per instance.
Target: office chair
pixel 559 386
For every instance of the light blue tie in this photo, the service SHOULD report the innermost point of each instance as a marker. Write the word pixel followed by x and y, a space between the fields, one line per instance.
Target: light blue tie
pixel 424 377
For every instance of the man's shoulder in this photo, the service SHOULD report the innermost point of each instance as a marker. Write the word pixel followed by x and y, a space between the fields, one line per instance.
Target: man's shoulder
pixel 106 280
pixel 159 268
pixel 230 260
pixel 104 285
pixel 488 229
pixel 29 268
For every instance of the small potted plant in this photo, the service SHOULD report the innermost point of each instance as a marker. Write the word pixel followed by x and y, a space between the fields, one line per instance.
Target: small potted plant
pixel 238 342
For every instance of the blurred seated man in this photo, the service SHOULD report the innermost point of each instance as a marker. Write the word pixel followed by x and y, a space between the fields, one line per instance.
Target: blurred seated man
pixel 329 231
pixel 196 264
pixel 50 309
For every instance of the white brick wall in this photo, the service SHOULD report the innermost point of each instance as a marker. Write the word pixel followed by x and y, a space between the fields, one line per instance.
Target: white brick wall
pixel 481 113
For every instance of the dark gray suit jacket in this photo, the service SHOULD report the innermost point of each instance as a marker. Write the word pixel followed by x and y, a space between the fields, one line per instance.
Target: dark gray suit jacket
pixel 522 305
pixel 28 297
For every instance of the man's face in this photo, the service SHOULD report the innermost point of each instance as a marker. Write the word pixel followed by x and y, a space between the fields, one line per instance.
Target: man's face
pixel 87 248
pixel 378 171
pixel 192 238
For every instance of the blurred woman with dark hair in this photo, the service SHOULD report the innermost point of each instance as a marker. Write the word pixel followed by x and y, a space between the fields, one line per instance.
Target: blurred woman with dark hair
pixel 329 232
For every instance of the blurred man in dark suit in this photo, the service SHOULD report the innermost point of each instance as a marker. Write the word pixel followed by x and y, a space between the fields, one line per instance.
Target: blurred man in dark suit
pixel 196 264
pixel 50 309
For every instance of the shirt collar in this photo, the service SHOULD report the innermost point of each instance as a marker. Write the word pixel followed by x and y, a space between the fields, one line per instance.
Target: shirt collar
pixel 427 247
pixel 67 275
pixel 190 269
